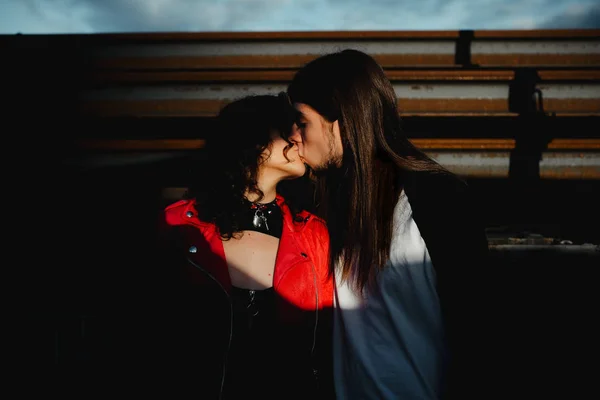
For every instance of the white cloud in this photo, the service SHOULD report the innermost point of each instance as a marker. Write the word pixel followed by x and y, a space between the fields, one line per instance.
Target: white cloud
pixel 523 23
pixel 74 16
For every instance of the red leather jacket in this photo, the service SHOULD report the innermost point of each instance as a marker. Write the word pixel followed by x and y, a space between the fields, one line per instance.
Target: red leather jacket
pixel 303 287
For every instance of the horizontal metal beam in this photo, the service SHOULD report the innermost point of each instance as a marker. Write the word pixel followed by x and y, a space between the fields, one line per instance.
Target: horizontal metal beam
pixel 467 163
pixel 421 92
pixel 429 144
pixel 179 37
pixel 560 34
pixel 194 107
pixel 276 50
pixel 553 165
pixel 231 76
pixel 587 249
pixel 562 159
pixel 196 74
pixel 156 61
pixel 390 49
pixel 141 77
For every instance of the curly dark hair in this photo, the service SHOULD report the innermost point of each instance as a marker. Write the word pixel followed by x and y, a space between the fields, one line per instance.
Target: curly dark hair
pixel 233 155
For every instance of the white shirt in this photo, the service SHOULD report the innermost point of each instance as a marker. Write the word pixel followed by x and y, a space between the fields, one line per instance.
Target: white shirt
pixel 390 345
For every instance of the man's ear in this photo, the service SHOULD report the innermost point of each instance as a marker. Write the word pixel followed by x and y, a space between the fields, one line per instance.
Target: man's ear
pixel 335 127
pixel 337 137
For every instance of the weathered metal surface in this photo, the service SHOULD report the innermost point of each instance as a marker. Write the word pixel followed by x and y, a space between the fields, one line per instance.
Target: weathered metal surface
pixel 103 77
pixel 151 51
pixel 458 97
pixel 195 74
pixel 584 249
pixel 184 37
pixel 489 159
pixel 407 107
pixel 496 164
pixel 446 74
pixel 391 49
pixel 425 144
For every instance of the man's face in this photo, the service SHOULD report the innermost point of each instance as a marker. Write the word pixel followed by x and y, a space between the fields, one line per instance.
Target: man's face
pixel 319 141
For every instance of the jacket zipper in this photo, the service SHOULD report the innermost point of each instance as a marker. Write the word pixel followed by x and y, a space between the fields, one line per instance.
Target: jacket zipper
pixel 315 370
pixel 225 357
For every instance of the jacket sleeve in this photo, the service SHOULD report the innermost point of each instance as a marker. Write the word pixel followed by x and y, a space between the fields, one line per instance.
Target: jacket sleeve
pixel 447 214
pixel 464 291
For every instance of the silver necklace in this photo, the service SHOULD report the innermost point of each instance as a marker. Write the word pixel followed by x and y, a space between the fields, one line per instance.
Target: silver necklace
pixel 260 219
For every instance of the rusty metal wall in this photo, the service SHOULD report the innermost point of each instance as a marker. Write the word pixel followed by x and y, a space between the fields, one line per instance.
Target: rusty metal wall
pixel 437 75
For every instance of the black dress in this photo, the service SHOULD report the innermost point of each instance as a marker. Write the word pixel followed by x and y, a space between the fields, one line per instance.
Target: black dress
pixel 254 366
pixel 252 362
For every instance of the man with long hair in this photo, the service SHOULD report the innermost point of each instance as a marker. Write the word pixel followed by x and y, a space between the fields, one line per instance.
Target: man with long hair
pixel 406 250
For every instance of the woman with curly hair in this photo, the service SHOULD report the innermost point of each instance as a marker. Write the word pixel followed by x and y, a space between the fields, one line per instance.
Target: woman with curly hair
pixel 252 289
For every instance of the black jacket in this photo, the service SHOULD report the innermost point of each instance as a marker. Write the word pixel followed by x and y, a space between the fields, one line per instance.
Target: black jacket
pixel 444 210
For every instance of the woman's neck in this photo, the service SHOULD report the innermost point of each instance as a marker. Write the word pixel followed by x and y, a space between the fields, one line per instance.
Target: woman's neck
pixel 267 186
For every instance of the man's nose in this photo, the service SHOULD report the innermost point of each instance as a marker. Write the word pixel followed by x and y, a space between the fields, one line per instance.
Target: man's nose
pixel 295 135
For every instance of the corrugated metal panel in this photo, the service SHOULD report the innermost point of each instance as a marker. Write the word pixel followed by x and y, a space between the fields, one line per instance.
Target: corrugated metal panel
pixel 391 49
pixel 436 74
pixel 419 92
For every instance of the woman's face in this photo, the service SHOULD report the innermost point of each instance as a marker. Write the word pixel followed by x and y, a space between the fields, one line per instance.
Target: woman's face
pixel 275 162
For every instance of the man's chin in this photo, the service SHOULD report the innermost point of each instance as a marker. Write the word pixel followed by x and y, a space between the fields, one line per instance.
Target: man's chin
pixel 324 170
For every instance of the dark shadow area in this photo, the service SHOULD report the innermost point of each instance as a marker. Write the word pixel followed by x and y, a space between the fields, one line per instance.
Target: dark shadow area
pixel 525 99
pixel 555 209
pixel 545 333
pixel 462 51
pixel 93 301
pixel 104 313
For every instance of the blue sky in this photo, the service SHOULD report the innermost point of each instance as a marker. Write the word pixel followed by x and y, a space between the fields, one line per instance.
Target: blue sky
pixel 93 16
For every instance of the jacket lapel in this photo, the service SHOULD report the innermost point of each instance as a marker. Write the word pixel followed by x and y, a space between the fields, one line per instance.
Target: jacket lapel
pixel 206 252
pixel 289 253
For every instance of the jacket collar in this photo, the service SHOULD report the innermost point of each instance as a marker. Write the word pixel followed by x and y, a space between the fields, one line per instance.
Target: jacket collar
pixel 295 223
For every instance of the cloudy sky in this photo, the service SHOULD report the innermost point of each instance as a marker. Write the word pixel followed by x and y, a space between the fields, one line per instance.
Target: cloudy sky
pixel 92 16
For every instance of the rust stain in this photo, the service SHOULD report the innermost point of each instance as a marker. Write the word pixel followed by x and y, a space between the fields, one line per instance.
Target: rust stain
pixel 464 143
pixel 283 36
pixel 538 34
pixel 150 76
pixel 178 37
pixel 582 172
pixel 536 59
pixel 570 144
pixel 569 75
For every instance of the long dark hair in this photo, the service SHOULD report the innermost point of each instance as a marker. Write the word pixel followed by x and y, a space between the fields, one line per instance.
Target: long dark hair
pixel 358 200
pixel 232 158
